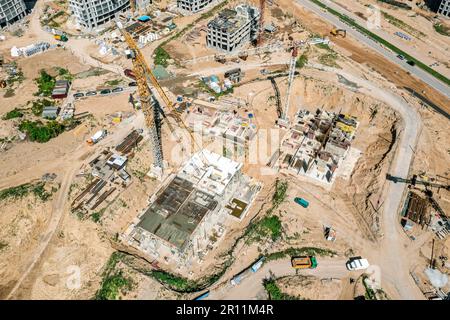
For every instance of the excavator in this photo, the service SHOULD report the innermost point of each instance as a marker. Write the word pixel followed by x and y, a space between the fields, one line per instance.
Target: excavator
pixel 335 32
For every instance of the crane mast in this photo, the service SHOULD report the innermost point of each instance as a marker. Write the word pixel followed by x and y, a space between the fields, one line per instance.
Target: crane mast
pixel 149 104
pixel 285 114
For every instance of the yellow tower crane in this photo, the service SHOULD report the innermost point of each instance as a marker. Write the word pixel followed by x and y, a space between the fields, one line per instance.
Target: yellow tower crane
pixel 150 102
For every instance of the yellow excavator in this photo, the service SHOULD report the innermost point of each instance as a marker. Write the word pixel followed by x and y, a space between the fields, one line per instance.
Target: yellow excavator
pixel 335 32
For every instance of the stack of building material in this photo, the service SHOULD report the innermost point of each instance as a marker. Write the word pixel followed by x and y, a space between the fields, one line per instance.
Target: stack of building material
pixel 61 89
pixel 30 50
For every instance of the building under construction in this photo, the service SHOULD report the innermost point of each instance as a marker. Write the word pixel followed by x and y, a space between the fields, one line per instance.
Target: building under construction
pixel 316 144
pixel 232 29
pixel 193 5
pixel 189 214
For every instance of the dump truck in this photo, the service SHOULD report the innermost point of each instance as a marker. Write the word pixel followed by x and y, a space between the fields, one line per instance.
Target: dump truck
pixel 302 202
pixel 304 262
pixel 99 135
pixel 61 37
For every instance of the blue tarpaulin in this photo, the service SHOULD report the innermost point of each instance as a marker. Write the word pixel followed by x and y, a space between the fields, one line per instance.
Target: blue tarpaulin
pixel 144 18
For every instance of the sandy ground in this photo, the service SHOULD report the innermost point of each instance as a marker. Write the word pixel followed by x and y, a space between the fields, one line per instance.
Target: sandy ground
pixel 85 245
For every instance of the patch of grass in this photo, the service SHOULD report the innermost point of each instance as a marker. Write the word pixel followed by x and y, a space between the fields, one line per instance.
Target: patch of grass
pixel 114 282
pixel 440 28
pixel 329 59
pixel 304 251
pixel 274 291
pixel 268 226
pixel 40 192
pixel 15 113
pixel 280 193
pixel 65 74
pixel 161 57
pixel 40 132
pixel 45 83
pixel 301 61
pixel 96 216
pixel 23 190
pixel 38 106
pixel 112 83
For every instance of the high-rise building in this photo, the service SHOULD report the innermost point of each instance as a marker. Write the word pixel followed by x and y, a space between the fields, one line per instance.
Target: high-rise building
pixel 193 5
pixel 93 13
pixel 444 8
pixel 232 29
pixel 11 11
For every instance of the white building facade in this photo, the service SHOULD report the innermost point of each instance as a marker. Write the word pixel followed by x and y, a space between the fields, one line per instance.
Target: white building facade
pixel 93 13
pixel 444 8
pixel 11 11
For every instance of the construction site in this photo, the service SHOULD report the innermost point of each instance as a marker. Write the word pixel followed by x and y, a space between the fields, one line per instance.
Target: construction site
pixel 195 149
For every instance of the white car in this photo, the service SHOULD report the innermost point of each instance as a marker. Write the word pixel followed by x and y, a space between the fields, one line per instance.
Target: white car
pixel 357 263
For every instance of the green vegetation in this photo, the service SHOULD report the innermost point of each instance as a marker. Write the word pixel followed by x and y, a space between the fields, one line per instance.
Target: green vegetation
pixel 304 251
pixel 440 28
pixel 329 59
pixel 112 83
pixel 280 194
pixel 39 132
pixel 17 77
pixel 267 226
pixel 301 61
pixel 45 83
pixel 15 113
pixel 400 24
pixel 380 40
pixel 96 216
pixel 38 189
pixel 274 291
pixel 370 293
pixel 114 282
pixel 38 106
pixel 173 281
pixel 161 57
pixel 65 74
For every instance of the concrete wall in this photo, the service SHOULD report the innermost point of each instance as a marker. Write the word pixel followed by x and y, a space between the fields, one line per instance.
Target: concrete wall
pixel 11 11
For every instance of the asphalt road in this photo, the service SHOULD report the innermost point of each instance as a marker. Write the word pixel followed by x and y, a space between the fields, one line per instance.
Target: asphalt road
pixel 386 53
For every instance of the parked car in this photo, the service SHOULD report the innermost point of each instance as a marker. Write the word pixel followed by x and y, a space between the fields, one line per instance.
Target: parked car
pixel 91 93
pixel 400 57
pixel 132 84
pixel 118 89
pixel 411 63
pixel 357 263
pixel 302 202
pixel 105 91
pixel 78 95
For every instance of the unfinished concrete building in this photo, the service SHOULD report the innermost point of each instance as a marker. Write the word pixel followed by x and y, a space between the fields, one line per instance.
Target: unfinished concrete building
pixel 444 8
pixel 11 11
pixel 193 5
pixel 92 13
pixel 189 214
pixel 317 144
pixel 232 29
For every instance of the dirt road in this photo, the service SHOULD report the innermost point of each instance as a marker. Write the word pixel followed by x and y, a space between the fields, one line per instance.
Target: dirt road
pixel 391 255
pixel 71 166
pixel 252 287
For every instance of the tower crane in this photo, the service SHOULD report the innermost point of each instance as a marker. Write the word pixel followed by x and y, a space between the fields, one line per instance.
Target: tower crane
pixel 285 114
pixel 413 181
pixel 150 101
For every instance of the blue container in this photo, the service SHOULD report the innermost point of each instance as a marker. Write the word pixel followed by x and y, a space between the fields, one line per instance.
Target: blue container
pixel 302 202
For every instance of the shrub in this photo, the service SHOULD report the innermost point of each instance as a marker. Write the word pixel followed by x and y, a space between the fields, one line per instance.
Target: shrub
pixel 16 113
pixel 39 132
pixel 45 83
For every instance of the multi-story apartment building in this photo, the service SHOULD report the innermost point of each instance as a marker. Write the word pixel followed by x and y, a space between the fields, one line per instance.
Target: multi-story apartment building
pixel 93 13
pixel 444 8
pixel 193 5
pixel 231 29
pixel 11 11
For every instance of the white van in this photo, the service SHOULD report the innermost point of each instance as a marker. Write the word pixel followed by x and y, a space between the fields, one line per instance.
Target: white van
pixel 357 263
